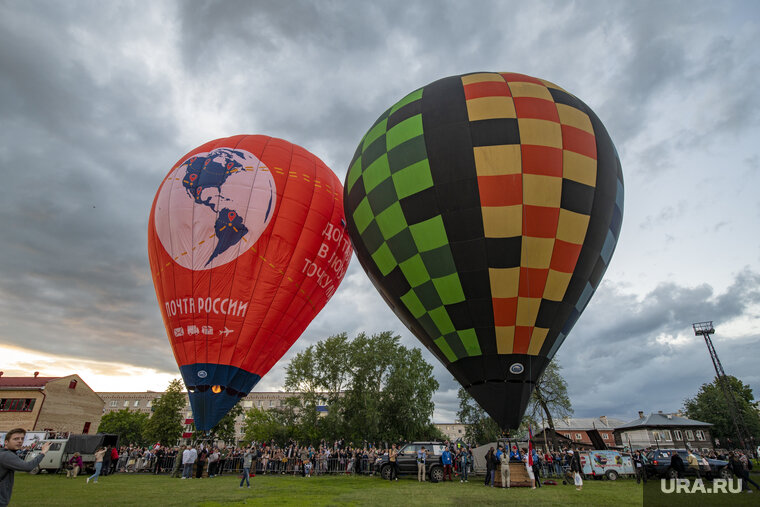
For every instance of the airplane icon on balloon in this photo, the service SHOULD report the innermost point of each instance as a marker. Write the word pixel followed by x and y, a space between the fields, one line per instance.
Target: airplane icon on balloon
pixel 226 331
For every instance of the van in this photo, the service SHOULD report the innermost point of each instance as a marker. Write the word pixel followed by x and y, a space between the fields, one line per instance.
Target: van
pixel 62 449
pixel 609 464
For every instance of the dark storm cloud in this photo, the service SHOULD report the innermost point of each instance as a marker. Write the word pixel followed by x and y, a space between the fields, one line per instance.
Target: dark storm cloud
pixel 631 353
pixel 97 100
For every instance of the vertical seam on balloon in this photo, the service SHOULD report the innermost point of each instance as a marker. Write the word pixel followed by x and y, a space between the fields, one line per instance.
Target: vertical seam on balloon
pixel 262 266
pixel 257 277
pixel 307 297
pixel 237 259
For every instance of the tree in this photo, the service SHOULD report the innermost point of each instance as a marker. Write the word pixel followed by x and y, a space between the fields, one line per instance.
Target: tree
pixel 165 424
pixel 549 399
pixel 710 405
pixel 267 425
pixel 480 428
pixel 375 389
pixel 128 425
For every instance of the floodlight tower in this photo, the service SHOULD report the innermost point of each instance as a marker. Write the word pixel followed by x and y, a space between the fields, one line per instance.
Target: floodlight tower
pixel 705 329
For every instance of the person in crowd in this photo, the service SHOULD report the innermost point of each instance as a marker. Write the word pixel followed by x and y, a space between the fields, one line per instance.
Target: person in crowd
pixel 529 468
pixel 114 459
pixel 177 466
pixel 504 469
pixel 577 469
pixel 10 462
pixel 536 468
pixel 223 454
pixel 741 470
pixel 247 461
pixel 201 465
pixel 639 464
pixel 106 462
pixel 446 462
pixel 74 466
pixel 464 463
pixel 515 454
pixel 392 455
pixel 213 462
pixel 421 464
pixel 189 455
pixel 160 457
pixel 490 458
pixel 693 463
pixel 99 454
pixel 676 463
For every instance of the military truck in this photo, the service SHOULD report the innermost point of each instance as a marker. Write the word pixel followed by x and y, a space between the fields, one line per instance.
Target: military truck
pixel 62 449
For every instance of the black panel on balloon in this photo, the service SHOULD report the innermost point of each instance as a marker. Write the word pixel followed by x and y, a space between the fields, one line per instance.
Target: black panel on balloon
pixel 420 206
pixel 504 252
pixel 463 225
pixel 495 132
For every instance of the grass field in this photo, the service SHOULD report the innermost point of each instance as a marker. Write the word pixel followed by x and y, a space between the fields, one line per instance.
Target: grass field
pixel 150 490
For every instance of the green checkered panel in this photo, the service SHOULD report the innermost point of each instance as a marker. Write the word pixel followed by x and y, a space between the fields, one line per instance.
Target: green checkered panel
pixel 389 167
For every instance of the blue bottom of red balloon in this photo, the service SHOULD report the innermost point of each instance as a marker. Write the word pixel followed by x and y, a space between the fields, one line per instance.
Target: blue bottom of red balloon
pixel 214 389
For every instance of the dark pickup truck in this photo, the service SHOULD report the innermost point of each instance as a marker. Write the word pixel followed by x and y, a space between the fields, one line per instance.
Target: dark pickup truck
pixel 658 465
pixel 407 461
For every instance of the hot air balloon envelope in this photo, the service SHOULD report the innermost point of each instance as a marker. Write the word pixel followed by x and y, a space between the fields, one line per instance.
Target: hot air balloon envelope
pixel 246 245
pixel 485 209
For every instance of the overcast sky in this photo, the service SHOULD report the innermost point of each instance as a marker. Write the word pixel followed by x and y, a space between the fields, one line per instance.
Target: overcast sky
pixel 99 99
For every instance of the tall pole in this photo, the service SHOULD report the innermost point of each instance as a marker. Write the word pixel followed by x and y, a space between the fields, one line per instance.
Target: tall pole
pixel 705 329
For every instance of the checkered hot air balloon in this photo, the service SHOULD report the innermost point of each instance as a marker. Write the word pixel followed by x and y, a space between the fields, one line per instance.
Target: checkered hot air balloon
pixel 485 208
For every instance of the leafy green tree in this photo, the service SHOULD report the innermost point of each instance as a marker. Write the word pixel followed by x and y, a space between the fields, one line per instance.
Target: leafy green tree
pixel 480 428
pixel 165 423
pixel 710 405
pixel 265 425
pixel 128 425
pixel 375 389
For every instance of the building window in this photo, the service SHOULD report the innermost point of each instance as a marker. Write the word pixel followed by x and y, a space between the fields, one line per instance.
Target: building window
pixel 150 404
pixel 605 436
pixel 271 403
pixel 73 384
pixel 86 428
pixel 700 435
pixel 16 404
pixel 126 403
pixel 113 403
pixel 577 436
pixel 689 434
pixel 677 435
pixel 247 404
pixel 666 435
pixel 137 403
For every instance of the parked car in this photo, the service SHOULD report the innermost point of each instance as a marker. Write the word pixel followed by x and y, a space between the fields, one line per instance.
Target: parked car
pixel 407 461
pixel 658 464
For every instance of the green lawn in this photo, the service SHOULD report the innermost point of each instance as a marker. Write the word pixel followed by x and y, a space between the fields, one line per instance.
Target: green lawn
pixel 130 489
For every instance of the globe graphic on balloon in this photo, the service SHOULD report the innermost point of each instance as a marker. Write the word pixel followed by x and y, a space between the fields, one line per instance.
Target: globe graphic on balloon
pixel 227 199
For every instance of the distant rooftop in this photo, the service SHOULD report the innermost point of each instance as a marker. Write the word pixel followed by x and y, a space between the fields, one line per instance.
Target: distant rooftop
pixel 659 420
pixel 20 382
pixel 587 423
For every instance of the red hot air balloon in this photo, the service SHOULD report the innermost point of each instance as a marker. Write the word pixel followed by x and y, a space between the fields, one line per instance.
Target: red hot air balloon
pixel 247 243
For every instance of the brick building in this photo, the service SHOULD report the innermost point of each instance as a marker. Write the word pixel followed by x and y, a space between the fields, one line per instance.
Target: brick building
pixel 143 402
pixel 54 404
pixel 577 430
pixel 453 431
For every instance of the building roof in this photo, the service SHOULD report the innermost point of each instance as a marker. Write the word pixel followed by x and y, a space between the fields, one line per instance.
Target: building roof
pixel 24 382
pixel 587 423
pixel 659 419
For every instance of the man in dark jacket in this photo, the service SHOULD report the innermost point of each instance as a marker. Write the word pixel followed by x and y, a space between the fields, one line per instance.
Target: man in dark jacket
pixel 676 463
pixel 10 462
